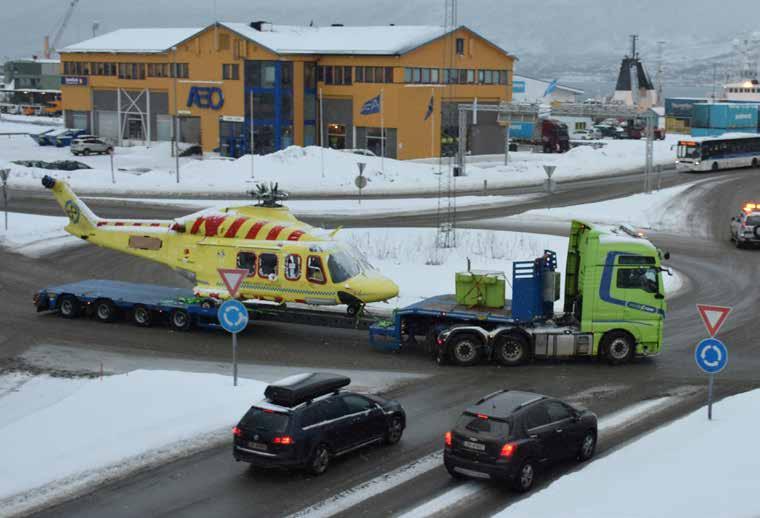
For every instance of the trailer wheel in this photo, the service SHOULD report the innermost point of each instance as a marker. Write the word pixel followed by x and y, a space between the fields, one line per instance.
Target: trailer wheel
pixel 511 349
pixel 618 347
pixel 464 349
pixel 105 310
pixel 141 316
pixel 69 306
pixel 180 320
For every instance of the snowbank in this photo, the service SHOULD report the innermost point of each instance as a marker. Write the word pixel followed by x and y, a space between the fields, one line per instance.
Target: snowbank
pixel 692 467
pixel 59 435
pixel 35 236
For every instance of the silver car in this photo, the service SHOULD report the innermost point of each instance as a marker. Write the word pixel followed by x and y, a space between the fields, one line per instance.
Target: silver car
pixel 745 228
pixel 87 144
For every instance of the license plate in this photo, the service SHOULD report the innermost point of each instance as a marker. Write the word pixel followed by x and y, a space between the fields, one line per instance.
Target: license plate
pixel 474 445
pixel 257 445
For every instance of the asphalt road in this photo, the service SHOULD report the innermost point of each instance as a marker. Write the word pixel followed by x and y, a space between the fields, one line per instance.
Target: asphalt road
pixel 210 483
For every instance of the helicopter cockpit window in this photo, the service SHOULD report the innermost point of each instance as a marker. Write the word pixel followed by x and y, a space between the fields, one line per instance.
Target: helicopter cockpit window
pixel 314 271
pixel 293 267
pixel 268 266
pixel 342 266
pixel 247 261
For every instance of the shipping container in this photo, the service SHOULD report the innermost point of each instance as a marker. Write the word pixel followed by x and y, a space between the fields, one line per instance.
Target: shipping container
pixel 674 125
pixel 724 115
pixel 521 130
pixel 715 132
pixel 681 107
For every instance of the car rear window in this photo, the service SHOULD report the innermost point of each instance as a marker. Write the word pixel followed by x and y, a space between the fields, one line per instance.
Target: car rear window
pixel 753 220
pixel 266 420
pixel 489 425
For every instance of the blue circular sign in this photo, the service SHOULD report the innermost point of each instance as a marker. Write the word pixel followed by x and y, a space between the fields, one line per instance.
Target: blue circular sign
pixel 233 316
pixel 711 355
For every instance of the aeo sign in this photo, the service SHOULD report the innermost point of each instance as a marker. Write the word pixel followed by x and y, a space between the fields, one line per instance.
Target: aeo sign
pixel 205 97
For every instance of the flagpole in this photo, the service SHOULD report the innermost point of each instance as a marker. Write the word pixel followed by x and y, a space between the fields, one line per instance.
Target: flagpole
pixel 321 133
pixel 382 134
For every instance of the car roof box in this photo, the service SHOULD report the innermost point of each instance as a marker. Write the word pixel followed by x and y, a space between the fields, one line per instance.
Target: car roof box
pixel 299 388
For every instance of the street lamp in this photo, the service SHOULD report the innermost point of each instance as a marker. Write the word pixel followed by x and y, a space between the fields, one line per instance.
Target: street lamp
pixel 176 115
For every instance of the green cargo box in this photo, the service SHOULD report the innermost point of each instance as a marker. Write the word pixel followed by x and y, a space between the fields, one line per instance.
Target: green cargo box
pixel 480 288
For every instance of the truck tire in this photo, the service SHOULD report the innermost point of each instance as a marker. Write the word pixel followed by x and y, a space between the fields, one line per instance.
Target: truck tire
pixel 511 349
pixel 105 310
pixel 464 349
pixel 180 320
pixel 618 347
pixel 69 306
pixel 142 316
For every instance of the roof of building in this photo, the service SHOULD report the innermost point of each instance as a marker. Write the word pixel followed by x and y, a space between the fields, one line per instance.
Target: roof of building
pixel 281 39
pixel 560 86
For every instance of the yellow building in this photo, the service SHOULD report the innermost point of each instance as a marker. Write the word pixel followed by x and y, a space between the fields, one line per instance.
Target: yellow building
pixel 219 84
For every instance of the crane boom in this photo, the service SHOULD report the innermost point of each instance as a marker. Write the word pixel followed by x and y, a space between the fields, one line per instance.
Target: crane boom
pixel 51 44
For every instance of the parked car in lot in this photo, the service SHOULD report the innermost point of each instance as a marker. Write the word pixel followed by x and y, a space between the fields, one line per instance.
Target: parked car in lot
pixel 510 435
pixel 306 420
pixel 89 144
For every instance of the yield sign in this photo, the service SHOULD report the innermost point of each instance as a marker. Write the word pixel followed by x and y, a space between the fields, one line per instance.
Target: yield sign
pixel 232 278
pixel 713 316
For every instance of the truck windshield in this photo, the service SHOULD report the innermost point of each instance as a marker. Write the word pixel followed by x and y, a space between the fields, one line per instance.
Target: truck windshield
pixel 692 152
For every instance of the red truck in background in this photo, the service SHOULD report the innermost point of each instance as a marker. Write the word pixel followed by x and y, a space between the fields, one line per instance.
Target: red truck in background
pixel 550 134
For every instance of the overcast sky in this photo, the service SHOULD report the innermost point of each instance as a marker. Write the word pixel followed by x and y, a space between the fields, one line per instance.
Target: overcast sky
pixel 530 28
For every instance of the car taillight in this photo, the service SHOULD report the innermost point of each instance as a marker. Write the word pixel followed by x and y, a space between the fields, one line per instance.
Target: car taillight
pixel 447 439
pixel 285 440
pixel 237 432
pixel 508 449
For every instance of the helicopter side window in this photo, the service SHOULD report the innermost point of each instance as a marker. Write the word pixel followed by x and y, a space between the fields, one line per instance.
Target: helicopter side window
pixel 268 266
pixel 314 271
pixel 247 261
pixel 293 267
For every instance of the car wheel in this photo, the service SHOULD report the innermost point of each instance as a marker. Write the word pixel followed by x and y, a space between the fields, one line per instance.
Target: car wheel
pixel 525 477
pixel 395 431
pixel 69 306
pixel 180 320
pixel 141 316
pixel 320 461
pixel 105 310
pixel 618 347
pixel 714 166
pixel 86 151
pixel 464 349
pixel 587 447
pixel 511 349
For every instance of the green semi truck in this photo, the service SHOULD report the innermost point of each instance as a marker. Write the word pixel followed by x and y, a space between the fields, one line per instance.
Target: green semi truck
pixel 614 307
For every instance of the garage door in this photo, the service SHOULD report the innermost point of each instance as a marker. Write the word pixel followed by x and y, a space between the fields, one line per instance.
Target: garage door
pixel 108 126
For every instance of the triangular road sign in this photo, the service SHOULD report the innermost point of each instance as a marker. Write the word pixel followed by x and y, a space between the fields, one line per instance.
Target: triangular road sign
pixel 713 316
pixel 232 278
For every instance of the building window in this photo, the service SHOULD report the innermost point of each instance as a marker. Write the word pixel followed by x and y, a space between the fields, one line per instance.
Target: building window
pixel 180 70
pixel 328 75
pixel 375 74
pixel 131 70
pixel 359 74
pixel 158 70
pixel 503 77
pixel 388 74
pixel 336 136
pixel 580 126
pixel 460 46
pixel 309 76
pixel 470 76
pixel 346 75
pixel 224 41
pixel 377 141
pixel 434 76
pixel 231 71
pixel 286 74
pixel 337 75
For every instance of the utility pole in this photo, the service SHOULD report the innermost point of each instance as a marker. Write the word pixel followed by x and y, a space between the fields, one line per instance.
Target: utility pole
pixel 176 115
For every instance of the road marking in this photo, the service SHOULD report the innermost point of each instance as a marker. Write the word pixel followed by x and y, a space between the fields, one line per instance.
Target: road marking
pixel 448 499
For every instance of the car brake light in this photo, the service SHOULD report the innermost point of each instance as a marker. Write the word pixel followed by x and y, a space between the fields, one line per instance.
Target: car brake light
pixel 285 440
pixel 237 432
pixel 482 416
pixel 508 449
pixel 447 438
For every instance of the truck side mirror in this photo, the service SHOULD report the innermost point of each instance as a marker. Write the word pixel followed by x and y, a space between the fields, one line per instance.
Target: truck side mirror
pixel 659 296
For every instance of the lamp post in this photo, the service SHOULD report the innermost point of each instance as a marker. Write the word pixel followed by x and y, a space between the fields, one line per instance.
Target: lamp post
pixel 176 115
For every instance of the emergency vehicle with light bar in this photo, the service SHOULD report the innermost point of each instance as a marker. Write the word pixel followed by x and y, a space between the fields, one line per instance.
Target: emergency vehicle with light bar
pixel 745 227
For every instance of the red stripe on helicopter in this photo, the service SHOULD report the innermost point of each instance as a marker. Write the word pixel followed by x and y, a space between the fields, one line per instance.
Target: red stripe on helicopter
pixel 197 225
pixel 119 224
pixel 295 235
pixel 274 232
pixel 213 223
pixel 155 224
pixel 254 230
pixel 235 227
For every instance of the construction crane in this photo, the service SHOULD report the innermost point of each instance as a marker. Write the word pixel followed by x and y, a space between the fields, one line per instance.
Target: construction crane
pixel 52 44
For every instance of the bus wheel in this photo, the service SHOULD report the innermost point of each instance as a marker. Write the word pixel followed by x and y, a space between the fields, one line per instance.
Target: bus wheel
pixel 511 349
pixel 618 347
pixel 69 307
pixel 714 166
pixel 180 320
pixel 141 316
pixel 105 310
pixel 464 350
pixel 754 162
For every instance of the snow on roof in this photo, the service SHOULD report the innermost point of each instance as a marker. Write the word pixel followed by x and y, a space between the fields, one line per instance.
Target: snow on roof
pixel 381 39
pixel 139 41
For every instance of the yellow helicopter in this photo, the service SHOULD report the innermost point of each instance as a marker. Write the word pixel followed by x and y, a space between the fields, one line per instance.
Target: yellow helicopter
pixel 286 259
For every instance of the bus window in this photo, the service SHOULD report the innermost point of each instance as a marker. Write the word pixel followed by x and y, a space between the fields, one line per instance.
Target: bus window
pixel 293 267
pixel 268 266
pixel 314 270
pixel 247 261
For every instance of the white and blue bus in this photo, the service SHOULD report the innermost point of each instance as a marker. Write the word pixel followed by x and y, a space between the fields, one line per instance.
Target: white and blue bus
pixel 722 152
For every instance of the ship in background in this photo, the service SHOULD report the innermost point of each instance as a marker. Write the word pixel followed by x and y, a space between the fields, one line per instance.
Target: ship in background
pixel 634 86
pixel 744 86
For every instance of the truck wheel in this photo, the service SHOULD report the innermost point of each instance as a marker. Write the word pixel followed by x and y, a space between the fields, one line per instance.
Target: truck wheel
pixel 141 316
pixel 511 349
pixel 464 349
pixel 105 310
pixel 180 320
pixel 69 306
pixel 618 347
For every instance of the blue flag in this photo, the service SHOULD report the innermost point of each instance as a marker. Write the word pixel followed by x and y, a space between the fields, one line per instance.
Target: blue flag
pixel 429 111
pixel 371 106
pixel 550 88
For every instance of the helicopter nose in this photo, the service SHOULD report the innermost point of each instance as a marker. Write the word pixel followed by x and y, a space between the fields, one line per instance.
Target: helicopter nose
pixel 372 289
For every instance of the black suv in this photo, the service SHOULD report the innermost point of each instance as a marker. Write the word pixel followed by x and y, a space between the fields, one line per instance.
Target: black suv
pixel 306 420
pixel 509 434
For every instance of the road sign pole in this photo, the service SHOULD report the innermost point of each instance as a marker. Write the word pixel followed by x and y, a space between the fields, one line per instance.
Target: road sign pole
pixel 234 360
pixel 710 397
pixel 113 176
pixel 4 173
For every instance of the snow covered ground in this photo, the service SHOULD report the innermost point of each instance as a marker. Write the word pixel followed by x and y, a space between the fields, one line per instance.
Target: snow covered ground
pixel 311 170
pixel 691 467
pixel 34 236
